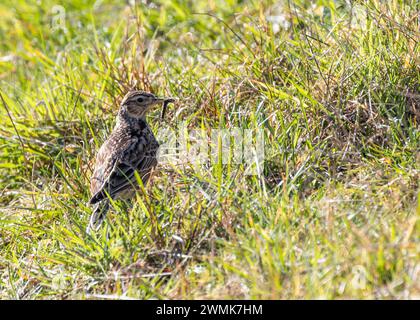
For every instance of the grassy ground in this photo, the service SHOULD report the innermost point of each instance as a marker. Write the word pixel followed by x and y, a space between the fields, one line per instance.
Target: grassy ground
pixel 333 214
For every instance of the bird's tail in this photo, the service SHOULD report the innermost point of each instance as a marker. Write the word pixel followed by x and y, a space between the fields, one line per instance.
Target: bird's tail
pixel 99 213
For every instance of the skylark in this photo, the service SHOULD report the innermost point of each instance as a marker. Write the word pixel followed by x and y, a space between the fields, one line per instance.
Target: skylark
pixel 131 147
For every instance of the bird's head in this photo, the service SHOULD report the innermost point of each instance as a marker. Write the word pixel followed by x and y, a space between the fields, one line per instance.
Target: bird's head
pixel 136 104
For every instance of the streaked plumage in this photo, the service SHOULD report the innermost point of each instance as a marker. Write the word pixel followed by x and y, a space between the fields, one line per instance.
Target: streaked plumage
pixel 130 147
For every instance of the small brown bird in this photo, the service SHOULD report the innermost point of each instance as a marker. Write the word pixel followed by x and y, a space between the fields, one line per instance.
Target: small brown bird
pixel 130 147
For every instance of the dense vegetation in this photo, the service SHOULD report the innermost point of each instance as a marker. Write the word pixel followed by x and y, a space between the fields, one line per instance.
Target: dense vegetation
pixel 334 211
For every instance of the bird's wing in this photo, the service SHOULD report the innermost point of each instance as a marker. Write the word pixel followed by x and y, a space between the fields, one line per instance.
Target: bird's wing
pixel 115 168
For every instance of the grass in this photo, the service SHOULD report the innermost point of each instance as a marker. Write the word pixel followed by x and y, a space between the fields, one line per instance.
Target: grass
pixel 334 212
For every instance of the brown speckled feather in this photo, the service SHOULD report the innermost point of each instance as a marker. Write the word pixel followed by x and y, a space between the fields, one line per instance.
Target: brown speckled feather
pixel 130 147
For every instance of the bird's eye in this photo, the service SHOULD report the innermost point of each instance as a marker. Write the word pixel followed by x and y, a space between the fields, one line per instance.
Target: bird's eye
pixel 140 100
